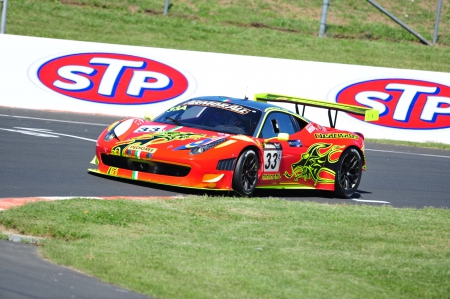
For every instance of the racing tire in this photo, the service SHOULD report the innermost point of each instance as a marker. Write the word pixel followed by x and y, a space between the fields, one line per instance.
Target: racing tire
pixel 245 174
pixel 349 171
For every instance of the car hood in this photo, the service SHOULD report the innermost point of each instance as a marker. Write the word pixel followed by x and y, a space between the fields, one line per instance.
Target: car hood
pixel 139 135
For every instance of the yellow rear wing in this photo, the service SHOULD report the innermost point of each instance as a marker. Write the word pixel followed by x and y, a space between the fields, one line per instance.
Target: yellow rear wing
pixel 368 113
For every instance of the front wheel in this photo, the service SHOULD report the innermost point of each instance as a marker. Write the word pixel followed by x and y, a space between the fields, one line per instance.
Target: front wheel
pixel 349 173
pixel 245 174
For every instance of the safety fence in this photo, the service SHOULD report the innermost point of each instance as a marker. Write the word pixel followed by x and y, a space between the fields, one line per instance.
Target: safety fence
pixel 327 3
pixel 3 19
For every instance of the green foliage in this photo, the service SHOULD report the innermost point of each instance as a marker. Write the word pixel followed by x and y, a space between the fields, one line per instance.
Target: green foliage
pixel 219 247
pixel 357 33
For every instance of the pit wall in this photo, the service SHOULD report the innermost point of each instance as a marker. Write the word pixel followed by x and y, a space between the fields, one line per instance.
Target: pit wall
pixel 64 75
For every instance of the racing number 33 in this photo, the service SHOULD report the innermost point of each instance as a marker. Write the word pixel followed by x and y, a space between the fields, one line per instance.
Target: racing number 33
pixel 272 160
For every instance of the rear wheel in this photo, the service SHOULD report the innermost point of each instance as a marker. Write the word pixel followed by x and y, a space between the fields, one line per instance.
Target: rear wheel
pixel 349 173
pixel 246 173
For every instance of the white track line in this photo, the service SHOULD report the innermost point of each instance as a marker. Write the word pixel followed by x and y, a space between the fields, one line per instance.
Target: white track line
pixel 59 134
pixel 373 201
pixel 56 120
pixel 405 153
pixel 28 132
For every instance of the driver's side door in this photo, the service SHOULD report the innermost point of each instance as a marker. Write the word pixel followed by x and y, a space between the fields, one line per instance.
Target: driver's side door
pixel 281 154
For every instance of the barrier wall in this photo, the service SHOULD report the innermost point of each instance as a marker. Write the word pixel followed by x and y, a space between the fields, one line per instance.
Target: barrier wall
pixel 50 74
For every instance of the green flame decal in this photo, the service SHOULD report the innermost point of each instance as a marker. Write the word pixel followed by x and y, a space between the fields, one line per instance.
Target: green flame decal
pixel 149 139
pixel 311 163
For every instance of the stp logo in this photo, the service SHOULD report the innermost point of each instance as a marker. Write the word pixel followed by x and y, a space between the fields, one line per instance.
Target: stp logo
pixel 112 78
pixel 403 103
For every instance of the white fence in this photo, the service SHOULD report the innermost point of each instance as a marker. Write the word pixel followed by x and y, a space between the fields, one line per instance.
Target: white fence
pixel 50 74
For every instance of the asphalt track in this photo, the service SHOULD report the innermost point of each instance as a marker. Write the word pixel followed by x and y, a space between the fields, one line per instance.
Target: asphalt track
pixel 24 275
pixel 46 153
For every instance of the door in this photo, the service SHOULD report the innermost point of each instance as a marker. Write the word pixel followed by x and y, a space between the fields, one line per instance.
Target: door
pixel 282 158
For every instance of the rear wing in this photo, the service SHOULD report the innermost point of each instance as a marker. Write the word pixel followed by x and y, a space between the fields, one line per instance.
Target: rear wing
pixel 368 113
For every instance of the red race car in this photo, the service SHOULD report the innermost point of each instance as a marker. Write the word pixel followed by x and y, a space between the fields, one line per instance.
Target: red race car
pixel 222 143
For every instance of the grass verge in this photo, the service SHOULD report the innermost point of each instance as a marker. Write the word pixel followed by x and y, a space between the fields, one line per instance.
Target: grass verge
pixel 3 236
pixel 434 145
pixel 222 247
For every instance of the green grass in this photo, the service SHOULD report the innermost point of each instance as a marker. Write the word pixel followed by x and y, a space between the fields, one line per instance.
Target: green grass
pixel 220 247
pixel 357 32
pixel 433 145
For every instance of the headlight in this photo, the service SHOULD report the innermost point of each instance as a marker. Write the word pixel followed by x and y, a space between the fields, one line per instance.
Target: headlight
pixel 111 135
pixel 206 146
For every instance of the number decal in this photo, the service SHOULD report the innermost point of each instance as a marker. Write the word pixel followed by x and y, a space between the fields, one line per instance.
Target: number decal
pixel 113 170
pixel 149 129
pixel 275 161
pixel 272 159
pixel 177 108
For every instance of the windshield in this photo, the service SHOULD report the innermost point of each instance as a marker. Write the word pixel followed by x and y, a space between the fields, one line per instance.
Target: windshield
pixel 215 116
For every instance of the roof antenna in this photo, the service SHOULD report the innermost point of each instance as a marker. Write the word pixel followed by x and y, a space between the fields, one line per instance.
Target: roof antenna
pixel 246 97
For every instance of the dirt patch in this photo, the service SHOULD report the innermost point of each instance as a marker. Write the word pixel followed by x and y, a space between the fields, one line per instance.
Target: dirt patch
pixel 260 25
pixel 7 231
pixel 153 12
pixel 133 8
pixel 72 2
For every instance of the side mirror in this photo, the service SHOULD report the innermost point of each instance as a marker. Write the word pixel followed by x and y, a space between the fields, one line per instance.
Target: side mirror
pixel 149 116
pixel 283 136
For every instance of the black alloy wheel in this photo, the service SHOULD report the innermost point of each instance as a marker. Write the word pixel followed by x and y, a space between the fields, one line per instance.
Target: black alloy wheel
pixel 245 174
pixel 349 173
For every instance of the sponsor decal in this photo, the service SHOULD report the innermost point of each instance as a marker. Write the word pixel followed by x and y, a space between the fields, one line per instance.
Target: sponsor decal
pixel 402 103
pixel 272 146
pixel 135 150
pixel 310 128
pixel 222 105
pixel 111 78
pixel 141 148
pixel 295 143
pixel 335 136
pixel 271 177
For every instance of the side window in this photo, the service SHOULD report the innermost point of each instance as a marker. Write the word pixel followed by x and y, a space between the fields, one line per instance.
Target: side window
pixel 299 123
pixel 278 122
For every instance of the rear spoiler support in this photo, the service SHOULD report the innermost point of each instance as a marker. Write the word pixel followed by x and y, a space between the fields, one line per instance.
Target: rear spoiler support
pixel 368 113
pixel 332 123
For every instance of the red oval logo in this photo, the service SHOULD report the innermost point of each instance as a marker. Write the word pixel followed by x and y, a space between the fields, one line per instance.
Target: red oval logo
pixel 403 103
pixel 112 78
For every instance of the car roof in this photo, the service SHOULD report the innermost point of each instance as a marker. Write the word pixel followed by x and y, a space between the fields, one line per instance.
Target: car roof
pixel 244 102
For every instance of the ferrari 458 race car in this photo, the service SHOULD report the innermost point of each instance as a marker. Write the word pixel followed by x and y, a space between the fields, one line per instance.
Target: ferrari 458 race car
pixel 222 143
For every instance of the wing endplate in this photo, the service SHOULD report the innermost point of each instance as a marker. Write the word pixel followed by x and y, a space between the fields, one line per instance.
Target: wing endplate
pixel 368 113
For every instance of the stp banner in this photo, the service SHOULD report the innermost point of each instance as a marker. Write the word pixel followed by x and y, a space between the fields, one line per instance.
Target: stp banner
pixel 50 74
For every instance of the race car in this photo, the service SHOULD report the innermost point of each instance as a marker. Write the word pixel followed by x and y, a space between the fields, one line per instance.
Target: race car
pixel 224 143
